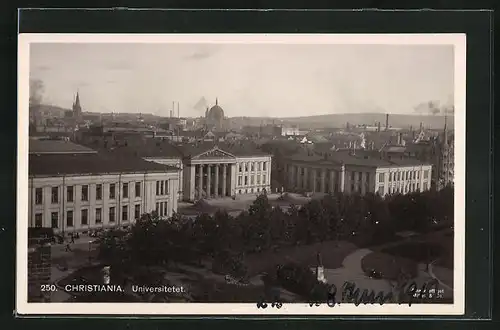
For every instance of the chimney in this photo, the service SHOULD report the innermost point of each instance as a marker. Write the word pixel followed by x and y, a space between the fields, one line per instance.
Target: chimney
pixel 387 122
pixel 178 110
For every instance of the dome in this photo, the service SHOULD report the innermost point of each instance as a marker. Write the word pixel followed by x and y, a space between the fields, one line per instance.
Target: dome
pixel 216 113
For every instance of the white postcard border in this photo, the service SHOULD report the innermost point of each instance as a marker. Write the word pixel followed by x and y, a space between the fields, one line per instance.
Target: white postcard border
pixel 204 309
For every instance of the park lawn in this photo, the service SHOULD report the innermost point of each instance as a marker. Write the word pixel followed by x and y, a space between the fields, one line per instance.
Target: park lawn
pixel 332 255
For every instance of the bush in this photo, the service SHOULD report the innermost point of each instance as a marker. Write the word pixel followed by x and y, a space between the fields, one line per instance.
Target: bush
pixel 297 279
pixel 227 263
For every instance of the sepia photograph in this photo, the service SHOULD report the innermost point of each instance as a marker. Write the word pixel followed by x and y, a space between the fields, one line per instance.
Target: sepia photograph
pixel 241 174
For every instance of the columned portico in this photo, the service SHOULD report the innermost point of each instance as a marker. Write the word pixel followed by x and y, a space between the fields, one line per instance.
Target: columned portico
pixel 224 180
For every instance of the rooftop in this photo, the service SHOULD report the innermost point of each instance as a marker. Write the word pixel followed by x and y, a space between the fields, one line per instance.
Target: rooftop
pixel 359 158
pixel 97 163
pixel 57 147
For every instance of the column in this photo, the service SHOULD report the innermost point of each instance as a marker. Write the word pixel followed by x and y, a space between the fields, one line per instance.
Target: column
pixel 342 178
pixel 209 180
pixel 298 183
pixel 332 181
pixel 363 183
pixel 314 179
pixel 200 181
pixel 224 180
pixel 305 184
pixel 323 179
pixel 217 168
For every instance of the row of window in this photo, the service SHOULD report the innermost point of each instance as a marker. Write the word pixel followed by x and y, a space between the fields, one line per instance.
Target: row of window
pixel 259 166
pixel 70 193
pixel 84 216
pixel 403 175
pixel 161 188
pixel 403 189
pixel 161 209
pixel 253 178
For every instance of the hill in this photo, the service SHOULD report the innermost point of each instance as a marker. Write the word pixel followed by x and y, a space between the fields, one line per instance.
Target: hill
pixel 340 120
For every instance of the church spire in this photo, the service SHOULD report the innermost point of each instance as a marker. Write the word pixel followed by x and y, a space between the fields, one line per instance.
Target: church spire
pixel 77 100
pixel 445 130
pixel 216 101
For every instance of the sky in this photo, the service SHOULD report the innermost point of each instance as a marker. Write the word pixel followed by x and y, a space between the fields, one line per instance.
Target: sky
pixel 268 80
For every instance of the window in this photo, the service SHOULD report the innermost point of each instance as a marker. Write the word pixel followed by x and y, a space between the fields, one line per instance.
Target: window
pixel 246 167
pixel 137 189
pixel 161 188
pixel 85 217
pixel 85 193
pixel 137 211
pixel 252 180
pixel 161 209
pixel 252 167
pixel 418 174
pixel 125 190
pixel 157 188
pixel 69 218
pixel 380 190
pixel 69 194
pixel 166 187
pixel 98 215
pixel 399 176
pixel 264 166
pixel 98 192
pixel 368 178
pixel 112 191
pixel 239 181
pixel 240 168
pixel 125 213
pixel 258 178
pixel 112 214
pixel 260 166
pixel 424 186
pixel 38 220
pixel 264 178
pixel 164 208
pixel 55 195
pixel 38 196
pixel 418 186
pixel 54 220
pixel 353 176
pixel 157 208
pixel 381 177
pixel 246 180
pixel 426 174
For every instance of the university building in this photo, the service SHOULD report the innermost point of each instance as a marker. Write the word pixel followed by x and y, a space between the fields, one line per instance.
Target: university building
pixel 207 169
pixel 342 172
pixel 76 189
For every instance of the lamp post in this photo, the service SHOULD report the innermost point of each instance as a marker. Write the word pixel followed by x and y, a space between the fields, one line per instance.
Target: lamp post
pixel 90 248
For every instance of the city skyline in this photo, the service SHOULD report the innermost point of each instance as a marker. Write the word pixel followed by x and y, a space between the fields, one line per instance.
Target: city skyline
pixel 314 79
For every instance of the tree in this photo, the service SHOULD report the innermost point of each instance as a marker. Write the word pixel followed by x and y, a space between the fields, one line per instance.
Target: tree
pixel 259 215
pixel 113 248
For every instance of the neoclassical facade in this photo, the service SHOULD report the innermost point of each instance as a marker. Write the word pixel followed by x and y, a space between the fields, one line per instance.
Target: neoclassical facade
pixel 216 173
pixel 80 193
pixel 319 174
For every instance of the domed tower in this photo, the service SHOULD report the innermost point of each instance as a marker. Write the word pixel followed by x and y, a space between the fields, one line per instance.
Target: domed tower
pixel 215 117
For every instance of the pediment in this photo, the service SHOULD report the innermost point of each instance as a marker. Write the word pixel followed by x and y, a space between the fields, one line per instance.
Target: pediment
pixel 215 153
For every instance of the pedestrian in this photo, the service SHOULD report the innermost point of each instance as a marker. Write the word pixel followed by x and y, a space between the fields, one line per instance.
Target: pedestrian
pixel 68 248
pixel 72 238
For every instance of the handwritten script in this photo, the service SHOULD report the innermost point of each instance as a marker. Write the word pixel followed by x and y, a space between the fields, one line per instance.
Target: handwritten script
pixel 407 294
